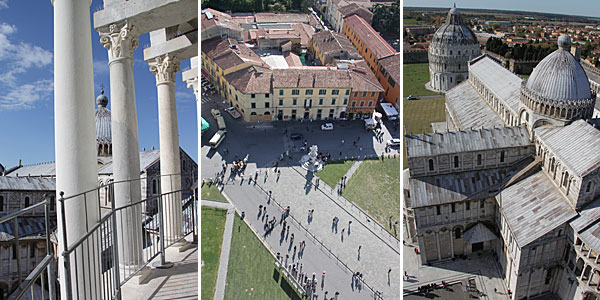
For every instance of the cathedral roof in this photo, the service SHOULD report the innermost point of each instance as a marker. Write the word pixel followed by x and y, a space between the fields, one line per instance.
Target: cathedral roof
pixel 454 32
pixel 559 76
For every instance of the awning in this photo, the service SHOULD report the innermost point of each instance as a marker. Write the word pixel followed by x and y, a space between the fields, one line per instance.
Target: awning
pixel 204 125
pixel 479 233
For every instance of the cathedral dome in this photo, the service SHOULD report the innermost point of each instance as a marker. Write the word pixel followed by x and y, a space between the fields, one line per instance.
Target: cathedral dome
pixel 103 126
pixel 454 32
pixel 559 76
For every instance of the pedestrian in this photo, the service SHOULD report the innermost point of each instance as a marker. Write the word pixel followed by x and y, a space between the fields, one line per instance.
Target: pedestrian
pixel 243 215
pixel 359 247
pixel 260 208
pixel 349 223
pixel 292 241
pixel 294 246
pixel 343 232
pixel 288 228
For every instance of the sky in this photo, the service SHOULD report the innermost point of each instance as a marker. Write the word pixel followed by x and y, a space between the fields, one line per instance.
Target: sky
pixel 572 7
pixel 27 94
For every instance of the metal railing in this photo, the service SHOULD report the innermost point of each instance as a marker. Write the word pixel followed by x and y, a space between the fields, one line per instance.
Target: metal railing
pixel 124 240
pixel 44 273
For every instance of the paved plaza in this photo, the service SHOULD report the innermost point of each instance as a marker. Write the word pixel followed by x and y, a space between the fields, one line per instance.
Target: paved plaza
pixel 329 249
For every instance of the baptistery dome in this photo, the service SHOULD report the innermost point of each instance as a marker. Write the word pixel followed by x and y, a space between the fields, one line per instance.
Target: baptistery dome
pixel 452 47
pixel 558 87
pixel 103 127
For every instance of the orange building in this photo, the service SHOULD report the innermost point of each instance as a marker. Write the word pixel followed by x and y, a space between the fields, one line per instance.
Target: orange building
pixel 365 92
pixel 373 48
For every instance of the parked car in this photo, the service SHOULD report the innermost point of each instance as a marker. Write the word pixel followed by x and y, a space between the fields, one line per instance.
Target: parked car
pixel 233 112
pixel 393 142
pixel 411 97
pixel 296 136
pixel 327 126
pixel 215 113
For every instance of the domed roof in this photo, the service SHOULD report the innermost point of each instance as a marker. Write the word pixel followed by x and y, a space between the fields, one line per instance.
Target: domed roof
pixel 454 32
pixel 559 76
pixel 103 128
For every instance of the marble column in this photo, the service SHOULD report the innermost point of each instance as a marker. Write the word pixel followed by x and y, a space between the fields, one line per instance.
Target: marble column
pixel 75 145
pixel 121 40
pixel 164 68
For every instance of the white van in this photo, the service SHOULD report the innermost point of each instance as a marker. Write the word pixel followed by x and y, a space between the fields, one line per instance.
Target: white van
pixel 217 139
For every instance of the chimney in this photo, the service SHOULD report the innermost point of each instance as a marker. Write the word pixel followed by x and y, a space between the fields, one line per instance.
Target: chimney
pixel 20 165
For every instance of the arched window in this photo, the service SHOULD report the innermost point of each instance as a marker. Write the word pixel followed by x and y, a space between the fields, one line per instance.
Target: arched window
pixel 565 179
pixel 431 165
pixel 456 161
pixel 589 187
pixel 502 156
pixel 26 201
pixel 457 233
pixel 479 159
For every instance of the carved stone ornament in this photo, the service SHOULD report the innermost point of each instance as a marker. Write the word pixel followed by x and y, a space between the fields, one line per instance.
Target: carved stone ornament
pixel 120 40
pixel 164 67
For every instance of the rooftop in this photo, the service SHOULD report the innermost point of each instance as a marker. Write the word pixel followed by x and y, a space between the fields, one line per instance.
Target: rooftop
pixel 355 8
pixel 211 18
pixel 329 41
pixel 502 82
pixel 228 53
pixel 576 145
pixel 391 64
pixel 251 80
pixel 534 207
pixel 369 36
pixel 10 183
pixel 432 144
pixel 468 109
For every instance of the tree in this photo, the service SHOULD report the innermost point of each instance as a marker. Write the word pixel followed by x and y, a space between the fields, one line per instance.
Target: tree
pixel 495 26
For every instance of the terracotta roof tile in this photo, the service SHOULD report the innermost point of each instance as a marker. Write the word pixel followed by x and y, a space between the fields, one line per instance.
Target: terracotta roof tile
pixel 369 36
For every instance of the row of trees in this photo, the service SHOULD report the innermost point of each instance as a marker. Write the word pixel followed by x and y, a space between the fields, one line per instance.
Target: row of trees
pixel 386 18
pixel 258 5
pixel 522 52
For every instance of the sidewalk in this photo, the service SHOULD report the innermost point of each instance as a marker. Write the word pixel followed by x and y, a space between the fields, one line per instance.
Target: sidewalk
pixel 293 190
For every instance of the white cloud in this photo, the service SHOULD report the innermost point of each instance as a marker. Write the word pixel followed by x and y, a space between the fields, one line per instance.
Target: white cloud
pixel 18 57
pixel 3 4
pixel 185 96
pixel 100 67
pixel 26 95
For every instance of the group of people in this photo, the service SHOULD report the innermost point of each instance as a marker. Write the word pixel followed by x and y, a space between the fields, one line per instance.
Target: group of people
pixel 341 185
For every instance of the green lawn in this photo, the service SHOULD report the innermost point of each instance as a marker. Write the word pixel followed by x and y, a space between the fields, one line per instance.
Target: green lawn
pixel 419 114
pixel 212 226
pixel 252 272
pixel 415 76
pixel 333 171
pixel 211 192
pixel 375 187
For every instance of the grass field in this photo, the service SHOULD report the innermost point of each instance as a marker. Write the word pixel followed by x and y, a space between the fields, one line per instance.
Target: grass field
pixel 333 171
pixel 375 187
pixel 211 192
pixel 414 78
pixel 213 224
pixel 252 272
pixel 419 114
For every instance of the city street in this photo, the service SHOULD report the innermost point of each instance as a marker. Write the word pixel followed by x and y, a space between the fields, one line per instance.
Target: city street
pixel 330 249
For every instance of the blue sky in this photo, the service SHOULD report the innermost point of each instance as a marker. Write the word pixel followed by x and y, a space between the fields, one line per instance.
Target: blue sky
pixel 27 95
pixel 572 7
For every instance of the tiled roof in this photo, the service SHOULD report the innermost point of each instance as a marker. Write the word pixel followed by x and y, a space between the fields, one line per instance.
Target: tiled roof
pixel 9 183
pixel 354 8
pixel 391 64
pixel 45 169
pixel 266 17
pixel 311 78
pixel 211 17
pixel 328 41
pixel 369 36
pixel 468 109
pixel 364 80
pixel 251 80
pixel 228 53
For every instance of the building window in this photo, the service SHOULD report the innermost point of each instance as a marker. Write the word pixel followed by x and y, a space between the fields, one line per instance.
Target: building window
pixel 333 101
pixel 32 250
pixel 252 105
pixel 322 92
pixel 355 94
pixel 364 94
pixel 482 204
pixel 502 156
pixel 587 189
pixel 280 92
pixel 372 94
pixel 294 101
pixel 453 207
pixel 370 103
pixel 335 92
pixel 566 179
pixel 479 159
pixel 52 203
pixel 345 101
pixel 362 103
pixel 236 98
pixel 457 233
pixel 392 82
pixel 154 187
pixel 267 95
pixel 308 92
pixel 14 251
pixel 26 201
pixel 252 96
pixel 431 165
pixel 439 210
pixel 320 101
pixel 456 161
pixel 295 92
pixel 353 103
pixel 280 102
pixel 1 203
pixel 467 205
pixel 267 104
pixel 347 92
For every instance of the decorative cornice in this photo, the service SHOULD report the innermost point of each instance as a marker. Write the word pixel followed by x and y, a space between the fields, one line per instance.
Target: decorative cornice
pixel 120 40
pixel 164 68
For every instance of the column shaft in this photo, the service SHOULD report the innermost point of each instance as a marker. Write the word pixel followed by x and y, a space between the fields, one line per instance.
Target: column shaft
pixel 75 145
pixel 121 41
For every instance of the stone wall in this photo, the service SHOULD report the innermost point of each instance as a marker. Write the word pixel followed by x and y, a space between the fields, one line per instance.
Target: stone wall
pixel 415 56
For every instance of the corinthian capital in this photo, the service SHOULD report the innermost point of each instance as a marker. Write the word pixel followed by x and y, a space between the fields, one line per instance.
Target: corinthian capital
pixel 120 40
pixel 164 67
